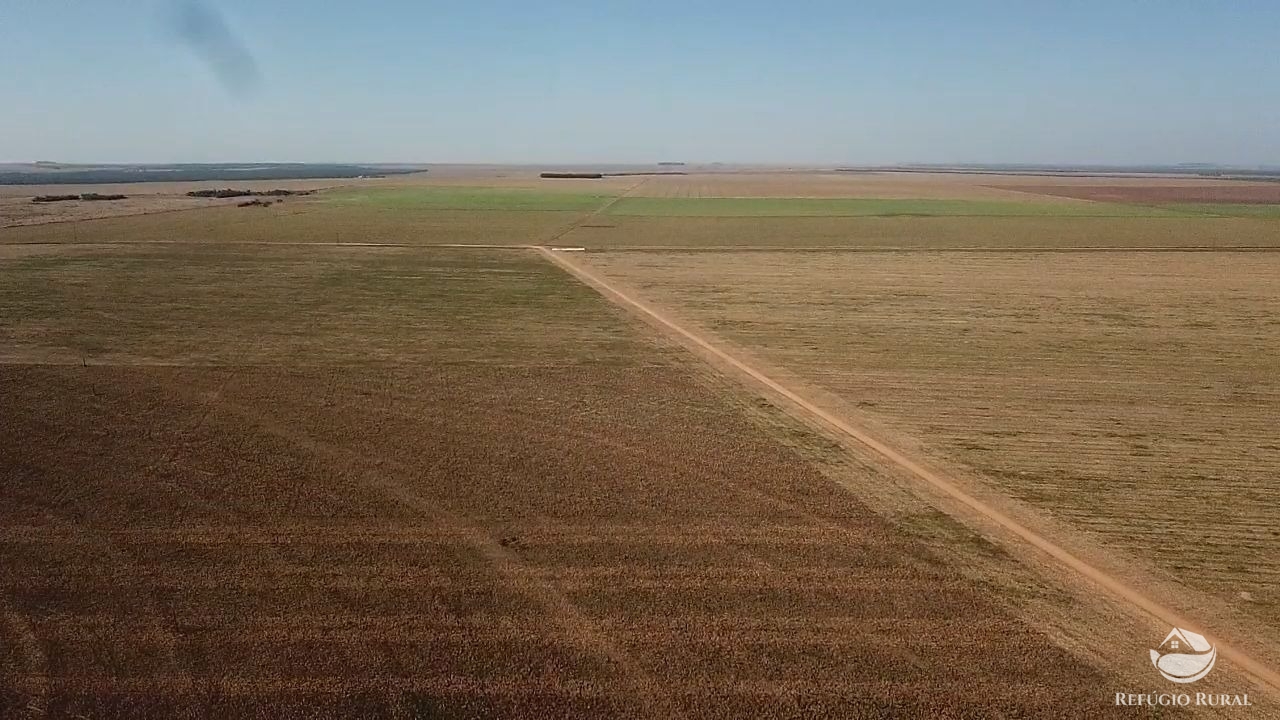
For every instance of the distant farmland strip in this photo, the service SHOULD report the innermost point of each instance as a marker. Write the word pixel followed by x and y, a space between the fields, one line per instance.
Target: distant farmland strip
pixel 864 207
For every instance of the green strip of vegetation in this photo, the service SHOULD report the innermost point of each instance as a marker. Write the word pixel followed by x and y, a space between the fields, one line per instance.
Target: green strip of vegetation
pixel 866 207
pixel 468 198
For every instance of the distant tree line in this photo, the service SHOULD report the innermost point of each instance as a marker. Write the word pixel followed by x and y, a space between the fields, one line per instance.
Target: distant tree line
pixel 83 196
pixel 598 175
pixel 231 193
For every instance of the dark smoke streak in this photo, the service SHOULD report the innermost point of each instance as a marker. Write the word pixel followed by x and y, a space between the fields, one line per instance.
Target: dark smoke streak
pixel 203 29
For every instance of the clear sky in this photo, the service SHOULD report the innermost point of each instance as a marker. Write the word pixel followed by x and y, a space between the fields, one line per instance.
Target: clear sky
pixel 852 81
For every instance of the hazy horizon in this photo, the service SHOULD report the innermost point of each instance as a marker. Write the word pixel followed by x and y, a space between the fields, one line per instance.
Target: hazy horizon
pixel 888 167
pixel 1120 83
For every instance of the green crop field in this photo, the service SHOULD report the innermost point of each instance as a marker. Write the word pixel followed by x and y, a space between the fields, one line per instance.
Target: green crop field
pixel 469 198
pixel 1231 209
pixel 480 198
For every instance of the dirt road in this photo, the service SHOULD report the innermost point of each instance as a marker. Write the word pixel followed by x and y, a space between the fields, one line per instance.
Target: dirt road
pixel 1105 581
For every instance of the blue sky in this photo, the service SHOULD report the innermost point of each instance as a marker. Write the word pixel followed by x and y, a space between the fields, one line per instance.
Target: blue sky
pixel 1088 81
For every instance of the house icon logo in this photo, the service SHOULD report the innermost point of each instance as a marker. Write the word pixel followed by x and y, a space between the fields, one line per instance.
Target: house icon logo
pixel 1184 656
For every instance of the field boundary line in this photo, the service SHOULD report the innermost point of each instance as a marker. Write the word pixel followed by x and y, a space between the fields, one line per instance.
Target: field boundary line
pixel 1118 589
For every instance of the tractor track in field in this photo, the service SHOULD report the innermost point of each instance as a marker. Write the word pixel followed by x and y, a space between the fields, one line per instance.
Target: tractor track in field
pixel 1032 539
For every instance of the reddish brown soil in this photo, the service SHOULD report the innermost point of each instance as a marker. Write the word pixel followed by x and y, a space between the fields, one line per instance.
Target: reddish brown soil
pixel 465 541
pixel 1259 193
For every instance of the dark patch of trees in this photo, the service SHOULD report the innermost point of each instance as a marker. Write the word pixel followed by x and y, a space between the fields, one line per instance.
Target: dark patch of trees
pixel 90 197
pixel 231 193
pixel 584 175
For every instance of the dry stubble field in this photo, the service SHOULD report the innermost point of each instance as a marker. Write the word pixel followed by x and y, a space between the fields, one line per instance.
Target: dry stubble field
pixel 1130 394
pixel 16 208
pixel 1116 378
pixel 254 473
pixel 274 481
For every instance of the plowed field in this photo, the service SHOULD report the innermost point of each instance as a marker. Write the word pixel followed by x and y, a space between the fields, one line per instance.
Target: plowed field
pixel 245 481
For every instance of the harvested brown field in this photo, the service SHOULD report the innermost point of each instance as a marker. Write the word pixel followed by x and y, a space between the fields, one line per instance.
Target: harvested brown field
pixel 1215 192
pixel 1127 395
pixel 332 482
pixel 1119 179
pixel 20 210
pixel 308 220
